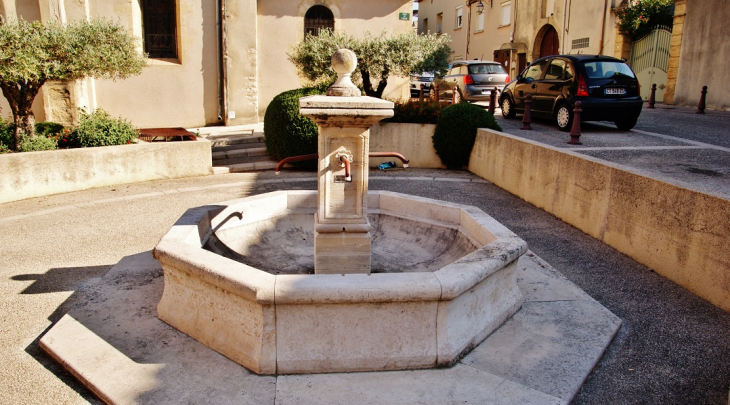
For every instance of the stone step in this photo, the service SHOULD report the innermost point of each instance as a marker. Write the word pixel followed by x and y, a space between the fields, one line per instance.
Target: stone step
pixel 242 159
pixel 246 167
pixel 238 153
pixel 229 140
pixel 247 145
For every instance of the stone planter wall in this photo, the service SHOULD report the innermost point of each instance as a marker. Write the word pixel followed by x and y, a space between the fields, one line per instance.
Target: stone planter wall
pixel 410 140
pixel 680 233
pixel 35 174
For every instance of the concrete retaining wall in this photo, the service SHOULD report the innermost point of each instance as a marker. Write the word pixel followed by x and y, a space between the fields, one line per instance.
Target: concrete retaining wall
pixel 411 140
pixel 680 233
pixel 35 174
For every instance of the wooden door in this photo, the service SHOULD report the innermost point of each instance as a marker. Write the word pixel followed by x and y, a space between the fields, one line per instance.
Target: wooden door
pixel 550 43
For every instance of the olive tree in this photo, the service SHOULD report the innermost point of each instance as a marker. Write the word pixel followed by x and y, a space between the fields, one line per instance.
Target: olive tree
pixel 378 57
pixel 33 53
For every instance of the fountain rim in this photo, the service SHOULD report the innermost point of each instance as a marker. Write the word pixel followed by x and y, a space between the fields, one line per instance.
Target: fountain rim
pixel 182 248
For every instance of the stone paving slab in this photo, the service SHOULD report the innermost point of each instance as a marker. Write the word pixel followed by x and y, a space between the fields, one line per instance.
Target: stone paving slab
pixel 113 342
pixel 458 385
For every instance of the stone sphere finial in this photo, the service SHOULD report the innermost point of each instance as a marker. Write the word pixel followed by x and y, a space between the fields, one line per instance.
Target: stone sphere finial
pixel 344 62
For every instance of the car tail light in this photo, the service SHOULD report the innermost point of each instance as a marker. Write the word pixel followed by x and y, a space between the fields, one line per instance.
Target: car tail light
pixel 506 79
pixel 582 87
pixel 468 79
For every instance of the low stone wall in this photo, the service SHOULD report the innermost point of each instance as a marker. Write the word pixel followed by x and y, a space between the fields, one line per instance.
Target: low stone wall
pixel 35 174
pixel 410 140
pixel 680 233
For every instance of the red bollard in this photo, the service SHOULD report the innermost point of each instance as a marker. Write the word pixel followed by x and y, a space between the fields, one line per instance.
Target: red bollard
pixel 652 96
pixel 420 95
pixel 492 101
pixel 526 118
pixel 701 104
pixel 575 129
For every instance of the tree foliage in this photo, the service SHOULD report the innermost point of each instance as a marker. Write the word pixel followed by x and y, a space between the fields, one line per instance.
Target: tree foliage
pixel 33 53
pixel 378 57
pixel 637 18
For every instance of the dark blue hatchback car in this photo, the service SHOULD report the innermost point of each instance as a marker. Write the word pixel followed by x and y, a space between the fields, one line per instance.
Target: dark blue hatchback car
pixel 606 87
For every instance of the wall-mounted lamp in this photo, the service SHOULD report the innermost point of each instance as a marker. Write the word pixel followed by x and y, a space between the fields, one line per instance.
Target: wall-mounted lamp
pixel 480 7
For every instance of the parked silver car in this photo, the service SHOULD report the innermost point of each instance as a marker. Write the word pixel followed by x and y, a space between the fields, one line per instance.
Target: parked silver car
pixel 424 78
pixel 476 79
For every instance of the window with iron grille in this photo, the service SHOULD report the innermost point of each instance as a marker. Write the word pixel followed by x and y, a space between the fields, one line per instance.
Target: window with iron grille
pixel 581 43
pixel 160 28
pixel 318 18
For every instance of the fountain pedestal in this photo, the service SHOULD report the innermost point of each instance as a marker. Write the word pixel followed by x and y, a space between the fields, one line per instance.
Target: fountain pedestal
pixel 341 229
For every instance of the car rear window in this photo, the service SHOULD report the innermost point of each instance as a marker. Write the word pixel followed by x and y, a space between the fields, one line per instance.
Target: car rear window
pixel 486 68
pixel 606 69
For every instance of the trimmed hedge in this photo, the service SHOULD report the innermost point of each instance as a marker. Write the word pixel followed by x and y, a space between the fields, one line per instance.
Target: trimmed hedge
pixel 414 111
pixel 287 132
pixel 456 131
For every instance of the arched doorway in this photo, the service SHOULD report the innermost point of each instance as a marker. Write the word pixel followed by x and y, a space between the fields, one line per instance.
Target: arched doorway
pixel 550 44
pixel 318 18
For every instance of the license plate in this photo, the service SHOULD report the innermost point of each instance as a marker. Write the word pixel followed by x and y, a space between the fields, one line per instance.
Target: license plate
pixel 615 91
pixel 486 92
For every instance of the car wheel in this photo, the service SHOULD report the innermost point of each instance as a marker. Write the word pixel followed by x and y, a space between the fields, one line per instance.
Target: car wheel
pixel 627 123
pixel 564 117
pixel 508 110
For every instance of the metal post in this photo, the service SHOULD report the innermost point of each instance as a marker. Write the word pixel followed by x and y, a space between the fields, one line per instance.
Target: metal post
pixel 701 104
pixel 527 118
pixel 492 101
pixel 575 129
pixel 652 96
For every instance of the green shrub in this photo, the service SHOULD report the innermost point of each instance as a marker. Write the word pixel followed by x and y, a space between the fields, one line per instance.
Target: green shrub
pixel 287 132
pixel 37 143
pixel 45 138
pixel 101 129
pixel 48 129
pixel 6 135
pixel 414 111
pixel 456 131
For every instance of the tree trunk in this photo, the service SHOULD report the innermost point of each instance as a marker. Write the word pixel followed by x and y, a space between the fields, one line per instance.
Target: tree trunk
pixel 368 85
pixel 20 96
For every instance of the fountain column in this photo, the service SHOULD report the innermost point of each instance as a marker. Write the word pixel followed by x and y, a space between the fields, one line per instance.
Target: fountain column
pixel 341 228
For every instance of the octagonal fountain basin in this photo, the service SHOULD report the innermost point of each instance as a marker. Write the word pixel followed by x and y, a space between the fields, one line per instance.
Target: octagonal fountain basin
pixel 239 279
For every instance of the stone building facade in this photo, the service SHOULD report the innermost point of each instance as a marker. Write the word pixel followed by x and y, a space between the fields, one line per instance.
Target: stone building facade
pixel 516 32
pixel 211 62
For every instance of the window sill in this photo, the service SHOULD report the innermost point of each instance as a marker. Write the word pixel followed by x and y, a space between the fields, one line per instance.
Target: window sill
pixel 163 62
pixel 458 28
pixel 478 31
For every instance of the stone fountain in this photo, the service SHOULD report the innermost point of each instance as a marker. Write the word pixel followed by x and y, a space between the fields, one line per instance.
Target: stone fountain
pixel 282 284
pixel 340 279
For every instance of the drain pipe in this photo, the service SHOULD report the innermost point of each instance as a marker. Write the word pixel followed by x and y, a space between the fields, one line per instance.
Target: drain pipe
pixel 219 53
pixel 391 154
pixel 222 62
pixel 603 27
pixel 344 160
pixel 292 159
